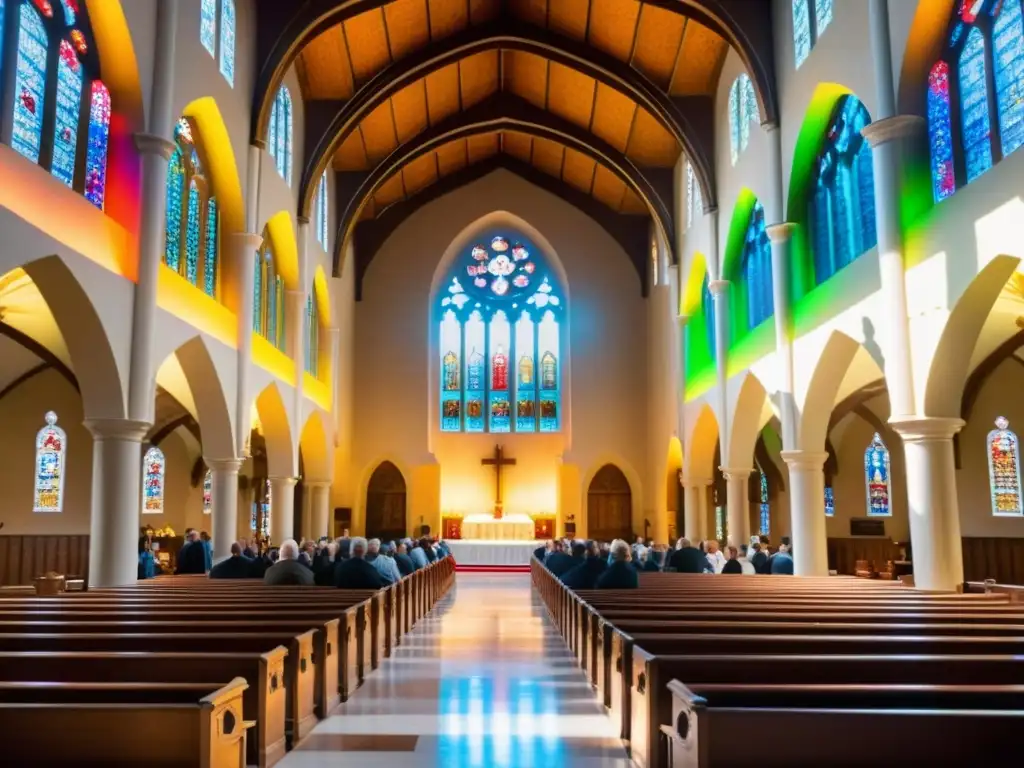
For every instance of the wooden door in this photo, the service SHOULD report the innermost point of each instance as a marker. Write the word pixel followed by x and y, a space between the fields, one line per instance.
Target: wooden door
pixel 385 504
pixel 609 505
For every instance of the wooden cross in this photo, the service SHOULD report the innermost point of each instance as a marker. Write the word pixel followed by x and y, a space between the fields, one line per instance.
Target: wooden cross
pixel 498 461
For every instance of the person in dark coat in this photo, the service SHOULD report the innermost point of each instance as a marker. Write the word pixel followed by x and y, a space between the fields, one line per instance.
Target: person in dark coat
pixel 147 561
pixel 259 566
pixel 288 570
pixel 235 567
pixel 619 574
pixel 732 565
pixel 584 575
pixel 648 561
pixel 405 564
pixel 759 559
pixel 324 565
pixel 356 573
pixel 560 563
pixel 540 552
pixel 428 549
pixel 782 561
pixel 687 558
pixel 192 557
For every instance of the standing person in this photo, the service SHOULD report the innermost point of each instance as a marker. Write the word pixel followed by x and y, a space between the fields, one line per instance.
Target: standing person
pixel 204 537
pixel 782 561
pixel 192 557
pixel 687 558
pixel 732 565
pixel 288 570
pixel 147 562
pixel 619 574
pixel 323 566
pixel 356 573
pixel 715 556
pixel 748 567
pixel 758 558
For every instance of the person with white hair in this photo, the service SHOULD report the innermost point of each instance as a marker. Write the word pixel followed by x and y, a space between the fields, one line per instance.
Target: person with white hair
pixel 619 574
pixel 288 569
pixel 356 572
pixel 386 566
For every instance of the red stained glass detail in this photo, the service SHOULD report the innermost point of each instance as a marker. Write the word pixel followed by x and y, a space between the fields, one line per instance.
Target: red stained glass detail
pixel 44 7
pixel 66 134
pixel 68 56
pixel 52 442
pixel 499 371
pixel 78 40
pixel 969 10
pixel 28 100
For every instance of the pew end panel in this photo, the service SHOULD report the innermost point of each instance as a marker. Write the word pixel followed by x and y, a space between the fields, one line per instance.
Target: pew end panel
pixel 302 691
pixel 327 674
pixel 222 729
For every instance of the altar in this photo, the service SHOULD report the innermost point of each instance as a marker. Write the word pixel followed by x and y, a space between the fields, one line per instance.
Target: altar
pixel 492 553
pixel 506 528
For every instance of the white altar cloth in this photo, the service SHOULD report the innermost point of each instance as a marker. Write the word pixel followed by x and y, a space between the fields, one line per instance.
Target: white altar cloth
pixel 508 528
pixel 471 552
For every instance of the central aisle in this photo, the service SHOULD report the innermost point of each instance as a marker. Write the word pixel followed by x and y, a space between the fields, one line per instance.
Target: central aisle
pixel 484 681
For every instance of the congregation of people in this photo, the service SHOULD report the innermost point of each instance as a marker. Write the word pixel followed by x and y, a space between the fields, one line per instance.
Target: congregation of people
pixel 617 565
pixel 346 562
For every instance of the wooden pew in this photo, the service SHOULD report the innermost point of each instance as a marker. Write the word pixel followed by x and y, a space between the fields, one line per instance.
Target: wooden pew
pixel 114 724
pixel 264 700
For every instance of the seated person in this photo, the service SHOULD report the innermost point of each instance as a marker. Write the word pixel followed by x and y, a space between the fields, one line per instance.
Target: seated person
pixel 732 564
pixel 355 572
pixel 405 564
pixel 560 562
pixel 619 574
pixel 235 567
pixel 288 570
pixel 782 561
pixel 192 557
pixel 584 575
pixel 386 567
pixel 416 554
pixel 648 560
pixel 688 559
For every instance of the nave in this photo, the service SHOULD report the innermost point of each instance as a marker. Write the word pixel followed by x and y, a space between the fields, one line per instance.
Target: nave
pixel 484 680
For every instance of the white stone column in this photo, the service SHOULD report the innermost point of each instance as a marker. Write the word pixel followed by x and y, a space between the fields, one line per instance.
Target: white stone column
pixel 224 476
pixel 932 500
pixel 781 239
pixel 695 512
pixel 282 509
pixel 116 500
pixel 737 500
pixel 244 246
pixel 807 511
pixel 320 507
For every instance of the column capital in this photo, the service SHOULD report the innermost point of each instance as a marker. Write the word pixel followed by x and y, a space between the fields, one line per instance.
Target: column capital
pixel 118 429
pixel 695 482
pixel 718 287
pixel 260 144
pixel 285 480
pixel 682 320
pixel 781 232
pixel 317 483
pixel 892 128
pixel 808 460
pixel 248 241
pixel 223 465
pixel 926 429
pixel 736 473
pixel 151 144
pixel 302 219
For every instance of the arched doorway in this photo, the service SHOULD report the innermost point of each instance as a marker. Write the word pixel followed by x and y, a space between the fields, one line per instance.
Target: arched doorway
pixel 609 505
pixel 385 503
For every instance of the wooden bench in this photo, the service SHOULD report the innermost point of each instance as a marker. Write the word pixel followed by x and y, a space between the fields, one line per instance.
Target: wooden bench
pixel 117 724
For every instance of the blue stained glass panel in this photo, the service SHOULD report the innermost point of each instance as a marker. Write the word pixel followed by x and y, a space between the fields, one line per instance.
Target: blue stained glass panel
pixel 801 32
pixel 830 502
pixel 3 15
pixel 756 265
pixel 321 210
pixel 153 482
pixel 690 201
pixel 192 236
pixel 747 107
pixel 707 302
pixel 976 131
pixel 940 132
pixel 288 135
pixel 30 84
pixel 69 103
pixel 1008 55
pixel 175 194
pixel 210 251
pixel 821 214
pixel 208 25
pixel 51 454
pixel 876 477
pixel 96 150
pixel 765 509
pixel 227 40
pixel 69 12
pixel 734 120
pixel 257 295
pixel 280 313
pixel 1004 470
pixel 822 15
pixel 272 131
pixel 271 310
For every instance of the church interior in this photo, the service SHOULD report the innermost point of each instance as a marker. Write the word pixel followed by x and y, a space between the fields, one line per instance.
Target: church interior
pixel 469 276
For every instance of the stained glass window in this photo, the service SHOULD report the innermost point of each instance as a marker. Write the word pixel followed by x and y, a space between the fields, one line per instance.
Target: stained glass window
pixel 830 502
pixel 153 482
pixel 707 302
pixel 969 10
pixel 69 101
pixel 70 11
pixel 1004 470
pixel 257 295
pixel 694 204
pixel 175 195
pixel 742 109
pixel 765 508
pixel 720 523
pixel 1008 58
pixel 208 493
pixel 822 16
pixel 734 120
pixel 30 84
pixel 321 211
pixel 842 208
pixel 312 335
pixel 51 453
pixel 279 142
pixel 500 341
pixel 974 109
pixel 192 236
pixel 801 31
pixel 940 132
pixel 210 249
pixel 208 25
pixel 876 477
pixel 227 40
pixel 756 265
pixel 96 152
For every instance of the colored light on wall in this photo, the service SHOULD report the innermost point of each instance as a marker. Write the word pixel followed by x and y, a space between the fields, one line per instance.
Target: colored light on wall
pixel 272 360
pixel 178 296
pixel 317 391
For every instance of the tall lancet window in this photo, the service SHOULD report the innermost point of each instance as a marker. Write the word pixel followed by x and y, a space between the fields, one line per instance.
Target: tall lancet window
pixel 500 340
pixel 1004 470
pixel 765 508
pixel 153 482
pixel 51 453
pixel 877 479
pixel 208 492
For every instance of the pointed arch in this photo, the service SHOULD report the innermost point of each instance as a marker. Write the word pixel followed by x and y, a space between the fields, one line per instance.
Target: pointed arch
pixel 750 412
pixel 700 444
pixel 276 427
pixel 207 387
pixel 220 161
pixel 317 447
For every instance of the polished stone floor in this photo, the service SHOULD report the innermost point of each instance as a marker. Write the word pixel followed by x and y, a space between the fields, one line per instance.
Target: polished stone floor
pixel 484 681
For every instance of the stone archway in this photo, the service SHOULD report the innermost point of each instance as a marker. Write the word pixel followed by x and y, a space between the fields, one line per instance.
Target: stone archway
pixel 609 505
pixel 385 503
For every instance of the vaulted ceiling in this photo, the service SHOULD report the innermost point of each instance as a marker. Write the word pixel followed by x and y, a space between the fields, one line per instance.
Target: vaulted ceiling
pixel 593 99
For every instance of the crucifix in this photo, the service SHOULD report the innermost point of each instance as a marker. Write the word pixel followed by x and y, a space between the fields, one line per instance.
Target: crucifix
pixel 498 461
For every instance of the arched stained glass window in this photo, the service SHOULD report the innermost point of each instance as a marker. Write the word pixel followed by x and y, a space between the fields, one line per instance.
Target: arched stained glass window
pixel 830 502
pixel 1004 470
pixel 175 195
pixel 822 16
pixel 940 132
pixel 842 206
pixel 694 203
pixel 192 235
pixel 312 335
pixel 227 40
pixel 765 508
pixel 500 340
pixel 208 25
pixel 801 31
pixel 1008 58
pixel 268 297
pixel 208 492
pixel 707 303
pixel 51 454
pixel 69 102
pixel 321 211
pixel 153 482
pixel 742 110
pixel 279 142
pixel 877 480
pixel 756 265
pixel 30 83
pixel 974 108
pixel 99 139
pixel 210 249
